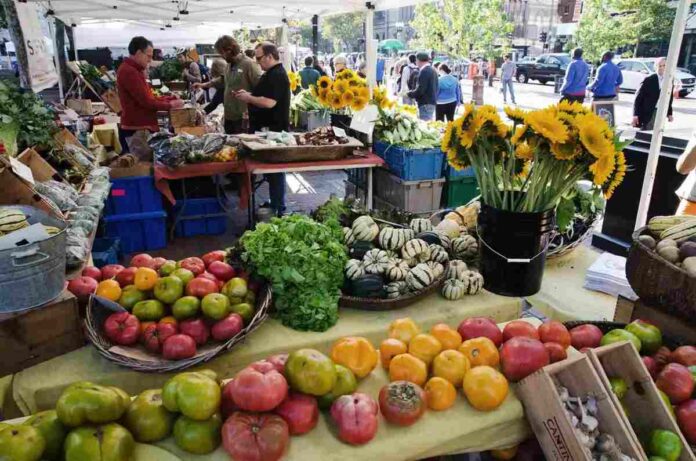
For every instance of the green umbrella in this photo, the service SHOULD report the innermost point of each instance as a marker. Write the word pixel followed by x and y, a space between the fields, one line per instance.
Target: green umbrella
pixel 391 44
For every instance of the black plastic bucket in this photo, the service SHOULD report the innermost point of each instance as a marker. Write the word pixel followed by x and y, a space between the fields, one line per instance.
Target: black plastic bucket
pixel 513 249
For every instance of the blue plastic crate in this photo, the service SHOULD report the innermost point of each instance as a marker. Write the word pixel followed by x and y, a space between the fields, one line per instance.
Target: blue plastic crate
pixel 379 148
pixel 451 173
pixel 138 231
pixel 135 194
pixel 414 164
pixel 105 251
pixel 200 216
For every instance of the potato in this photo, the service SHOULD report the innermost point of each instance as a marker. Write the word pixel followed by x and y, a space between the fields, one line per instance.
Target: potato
pixel 689 265
pixel 665 243
pixel 687 250
pixel 647 241
pixel 670 253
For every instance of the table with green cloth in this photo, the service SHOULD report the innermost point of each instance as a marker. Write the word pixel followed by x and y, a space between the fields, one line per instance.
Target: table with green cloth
pixel 562 296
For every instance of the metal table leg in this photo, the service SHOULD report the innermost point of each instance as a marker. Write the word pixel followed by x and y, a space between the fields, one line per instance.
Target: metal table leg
pixel 369 188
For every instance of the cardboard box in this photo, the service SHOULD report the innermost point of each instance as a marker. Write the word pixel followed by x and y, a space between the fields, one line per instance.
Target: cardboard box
pixel 111 99
pixel 81 106
pixel 34 336
pixel 197 131
pixel 16 191
pixel 40 168
pixel 645 408
pixel 139 169
pixel 182 117
pixel 546 413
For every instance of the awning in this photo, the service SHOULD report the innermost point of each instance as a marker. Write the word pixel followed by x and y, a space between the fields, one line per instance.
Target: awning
pixel 566 28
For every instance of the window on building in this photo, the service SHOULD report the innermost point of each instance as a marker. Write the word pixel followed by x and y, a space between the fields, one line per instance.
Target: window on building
pixel 566 10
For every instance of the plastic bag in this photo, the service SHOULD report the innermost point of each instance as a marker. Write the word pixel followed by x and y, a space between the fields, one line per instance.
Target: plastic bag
pixel 77 236
pixel 205 147
pixel 170 150
pixel 63 195
pixel 85 212
pixel 78 154
pixel 86 225
pixel 76 255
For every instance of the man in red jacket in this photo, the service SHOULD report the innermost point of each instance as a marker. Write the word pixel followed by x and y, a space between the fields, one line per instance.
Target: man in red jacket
pixel 139 105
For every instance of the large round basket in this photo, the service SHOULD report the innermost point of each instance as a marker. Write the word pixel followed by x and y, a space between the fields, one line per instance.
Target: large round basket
pixel 137 358
pixel 668 339
pixel 380 304
pixel 660 283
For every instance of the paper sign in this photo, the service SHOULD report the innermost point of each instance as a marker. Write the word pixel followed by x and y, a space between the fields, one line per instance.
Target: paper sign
pixel 156 82
pixel 364 121
pixel 22 237
pixel 22 170
pixel 339 132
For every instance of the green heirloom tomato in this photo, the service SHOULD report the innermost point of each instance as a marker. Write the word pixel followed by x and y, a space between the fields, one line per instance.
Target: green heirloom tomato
pixel 667 402
pixel 245 310
pixel 310 372
pixel 147 419
pixel 108 442
pixel 21 443
pixel 195 394
pixel 665 444
pixel 618 335
pixel 149 311
pixel 52 431
pixel 84 402
pixel 199 437
pixel 619 387
pixel 650 336
pixel 345 384
pixel 130 296
pixel 186 307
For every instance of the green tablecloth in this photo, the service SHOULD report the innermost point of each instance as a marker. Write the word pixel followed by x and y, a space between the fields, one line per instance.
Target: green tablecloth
pixel 38 388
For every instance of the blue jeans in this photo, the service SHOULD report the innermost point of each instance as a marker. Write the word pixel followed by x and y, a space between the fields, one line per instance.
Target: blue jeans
pixel 276 187
pixel 426 112
pixel 507 84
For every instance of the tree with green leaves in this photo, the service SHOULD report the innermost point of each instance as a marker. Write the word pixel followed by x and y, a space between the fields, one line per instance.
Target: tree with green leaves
pixel 3 19
pixel 344 30
pixel 462 27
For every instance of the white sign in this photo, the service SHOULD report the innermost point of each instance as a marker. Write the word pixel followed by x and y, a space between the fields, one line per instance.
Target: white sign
pixel 364 121
pixel 42 70
pixel 22 170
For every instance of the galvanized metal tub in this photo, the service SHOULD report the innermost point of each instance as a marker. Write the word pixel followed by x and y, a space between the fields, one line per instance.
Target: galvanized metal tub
pixel 33 274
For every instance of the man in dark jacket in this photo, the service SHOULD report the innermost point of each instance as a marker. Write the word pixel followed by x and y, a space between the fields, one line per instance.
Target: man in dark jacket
pixel 646 99
pixel 425 93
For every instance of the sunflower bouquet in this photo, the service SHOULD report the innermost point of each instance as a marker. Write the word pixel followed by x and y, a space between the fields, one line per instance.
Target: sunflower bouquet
pixel 348 92
pixel 531 165
pixel 295 80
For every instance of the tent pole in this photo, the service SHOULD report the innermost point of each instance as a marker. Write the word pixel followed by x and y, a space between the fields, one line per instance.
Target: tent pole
pixel 370 49
pixel 77 60
pixel 315 35
pixel 285 43
pixel 56 61
pixel 661 113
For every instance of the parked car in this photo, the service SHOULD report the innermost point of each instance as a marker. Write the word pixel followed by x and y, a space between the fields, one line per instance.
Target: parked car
pixel 544 69
pixel 636 70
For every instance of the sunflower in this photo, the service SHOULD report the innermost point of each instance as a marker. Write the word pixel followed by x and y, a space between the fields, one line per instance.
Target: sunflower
pixel 324 83
pixel 520 130
pixel 363 92
pixel 359 103
pixel 525 170
pixel 515 114
pixel 446 138
pixel 336 101
pixel 545 123
pixel 617 176
pixel 502 129
pixel 524 151
pixel 602 168
pixel 564 151
pixel 593 136
pixel 340 86
pixel 347 98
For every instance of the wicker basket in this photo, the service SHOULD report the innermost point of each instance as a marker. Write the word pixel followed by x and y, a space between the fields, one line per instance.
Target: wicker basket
pixel 668 340
pixel 379 304
pixel 660 283
pixel 139 359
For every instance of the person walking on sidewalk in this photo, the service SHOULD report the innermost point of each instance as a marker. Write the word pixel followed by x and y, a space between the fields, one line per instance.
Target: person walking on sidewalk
pixel 609 79
pixel 425 93
pixel 507 74
pixel 309 75
pixel 575 82
pixel 408 80
pixel 648 94
pixel 449 94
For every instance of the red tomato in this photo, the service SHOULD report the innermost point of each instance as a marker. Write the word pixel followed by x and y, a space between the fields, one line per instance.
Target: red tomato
pixel 195 265
pixel 155 335
pixel 178 347
pixel 196 329
pixel 255 437
pixel 209 258
pixel 300 411
pixel 253 390
pixel 663 356
pixel 686 416
pixel 476 327
pixel 520 357
pixel 122 328
pixel 519 328
pixel 651 365
pixel 685 355
pixel 227 405
pixel 402 402
pixel 356 418
pixel 554 332
pixel 201 286
pixel 587 335
pixel 278 362
pixel 556 352
pixel 676 381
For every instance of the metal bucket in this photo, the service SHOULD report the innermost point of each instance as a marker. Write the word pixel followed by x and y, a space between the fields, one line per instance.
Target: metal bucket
pixel 33 274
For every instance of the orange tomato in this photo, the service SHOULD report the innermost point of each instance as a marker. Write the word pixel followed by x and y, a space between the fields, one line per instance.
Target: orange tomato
pixel 355 353
pixel 440 394
pixel 448 337
pixel 485 388
pixel 403 329
pixel 554 332
pixel 452 366
pixel 145 278
pixel 390 348
pixel 505 453
pixel 406 367
pixel 143 327
pixel 169 319
pixel 109 289
pixel 480 351
pixel 425 347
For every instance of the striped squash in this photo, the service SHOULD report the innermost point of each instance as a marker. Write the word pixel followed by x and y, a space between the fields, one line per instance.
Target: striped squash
pixel 396 289
pixel 681 232
pixel 365 228
pixel 453 289
pixel 420 277
pixel 445 241
pixel 455 268
pixel 348 237
pixel 465 247
pixel 354 269
pixel 419 225
pixel 472 280
pixel 376 261
pixel 12 219
pixel 391 239
pixel 436 268
pixel 409 234
pixel 438 254
pixel 416 249
pixel 397 271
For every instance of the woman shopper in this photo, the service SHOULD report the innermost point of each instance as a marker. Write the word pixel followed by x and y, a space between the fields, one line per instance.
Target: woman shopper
pixel 686 164
pixel 449 94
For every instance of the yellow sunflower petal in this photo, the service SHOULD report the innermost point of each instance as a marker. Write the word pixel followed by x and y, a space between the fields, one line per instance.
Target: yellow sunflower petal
pixel 545 123
pixel 602 169
pixel 524 151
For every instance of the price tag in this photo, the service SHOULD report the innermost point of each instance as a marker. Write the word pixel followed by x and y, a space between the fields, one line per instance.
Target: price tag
pixel 22 170
pixel 339 132
pixel 364 121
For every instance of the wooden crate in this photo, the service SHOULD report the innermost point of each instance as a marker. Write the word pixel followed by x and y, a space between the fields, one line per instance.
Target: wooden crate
pixel 182 117
pixel 545 411
pixel 646 410
pixel 627 311
pixel 40 168
pixel 34 336
pixel 81 106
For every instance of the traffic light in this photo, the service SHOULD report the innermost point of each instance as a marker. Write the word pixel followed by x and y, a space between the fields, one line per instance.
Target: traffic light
pixel 542 37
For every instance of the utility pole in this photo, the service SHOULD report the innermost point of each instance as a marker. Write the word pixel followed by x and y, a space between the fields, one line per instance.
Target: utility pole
pixel 17 37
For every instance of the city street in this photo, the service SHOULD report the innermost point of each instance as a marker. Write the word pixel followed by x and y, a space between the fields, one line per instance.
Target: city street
pixel 535 95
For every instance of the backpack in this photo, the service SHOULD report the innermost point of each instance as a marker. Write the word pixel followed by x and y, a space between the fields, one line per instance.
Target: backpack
pixel 413 78
pixel 205 72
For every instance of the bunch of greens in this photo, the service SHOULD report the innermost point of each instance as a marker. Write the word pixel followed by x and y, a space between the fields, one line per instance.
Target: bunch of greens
pixel 25 120
pixel 303 260
pixel 169 70
pixel 94 77
pixel 579 205
pixel 333 210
